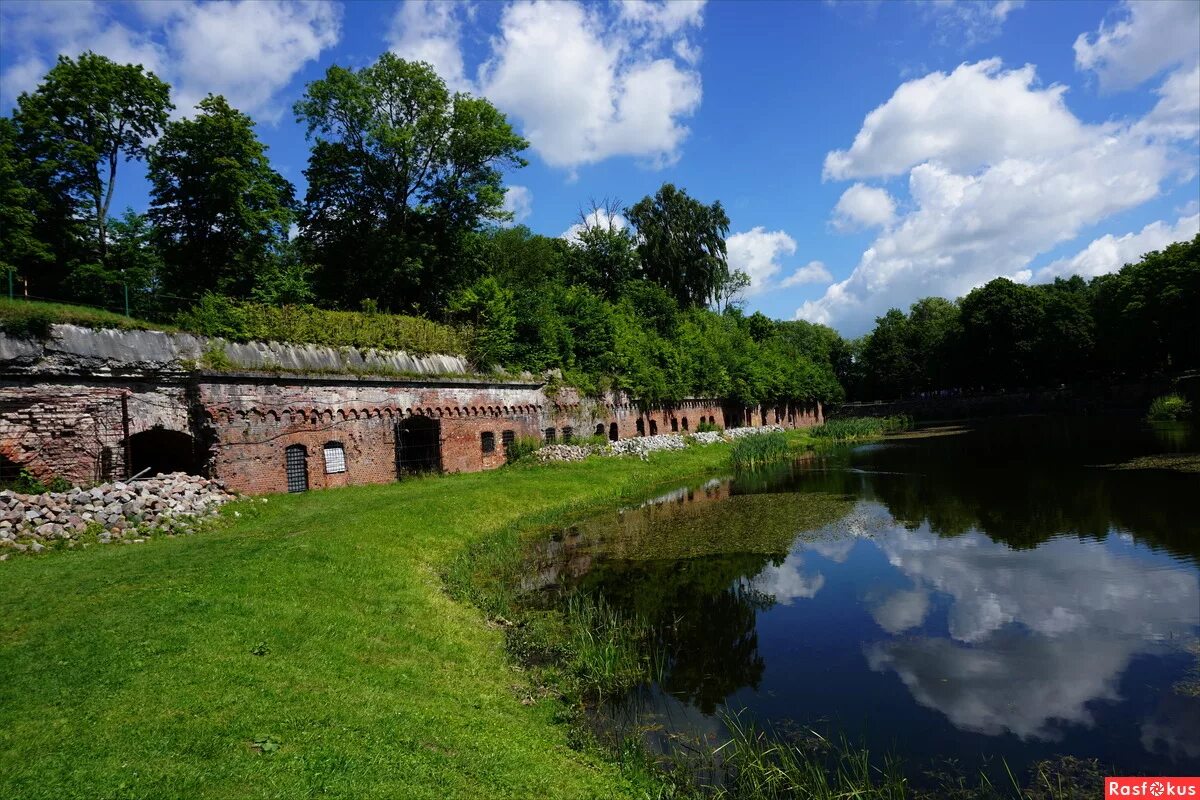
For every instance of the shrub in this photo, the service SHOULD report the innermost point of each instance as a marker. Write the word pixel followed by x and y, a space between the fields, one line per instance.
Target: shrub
pixel 523 447
pixel 708 427
pixel 1169 407
pixel 849 428
pixel 28 483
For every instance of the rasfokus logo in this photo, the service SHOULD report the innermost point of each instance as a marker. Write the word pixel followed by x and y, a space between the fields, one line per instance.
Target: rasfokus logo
pixel 1152 787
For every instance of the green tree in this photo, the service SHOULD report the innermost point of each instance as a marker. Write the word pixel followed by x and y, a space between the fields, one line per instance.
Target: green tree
pixel 681 243
pixel 604 253
pixel 487 307
pixel 400 171
pixel 1002 324
pixel 222 213
pixel 889 361
pixel 20 248
pixel 933 332
pixel 133 265
pixel 86 117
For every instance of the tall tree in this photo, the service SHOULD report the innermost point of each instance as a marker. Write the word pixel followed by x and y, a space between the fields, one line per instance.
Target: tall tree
pixel 20 248
pixel 86 117
pixel 681 243
pixel 1002 325
pixel 400 170
pixel 222 213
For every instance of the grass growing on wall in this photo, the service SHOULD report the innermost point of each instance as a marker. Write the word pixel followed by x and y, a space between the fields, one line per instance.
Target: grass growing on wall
pixel 31 319
pixel 219 316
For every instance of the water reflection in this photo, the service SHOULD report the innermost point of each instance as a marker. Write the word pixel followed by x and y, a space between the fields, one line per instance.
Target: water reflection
pixel 997 590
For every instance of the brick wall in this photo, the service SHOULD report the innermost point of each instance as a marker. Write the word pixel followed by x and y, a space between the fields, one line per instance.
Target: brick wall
pixel 241 427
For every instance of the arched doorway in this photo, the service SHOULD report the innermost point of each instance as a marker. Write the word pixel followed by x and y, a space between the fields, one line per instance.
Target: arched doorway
pixel 599 428
pixel 612 432
pixel 162 450
pixel 641 427
pixel 418 445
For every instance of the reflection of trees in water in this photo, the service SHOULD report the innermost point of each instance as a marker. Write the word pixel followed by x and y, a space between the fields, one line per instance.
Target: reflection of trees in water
pixel 704 614
pixel 1025 481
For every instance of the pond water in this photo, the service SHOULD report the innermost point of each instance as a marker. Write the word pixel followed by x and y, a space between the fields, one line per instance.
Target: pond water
pixel 986 592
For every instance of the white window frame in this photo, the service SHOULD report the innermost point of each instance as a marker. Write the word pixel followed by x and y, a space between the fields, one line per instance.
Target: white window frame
pixel 337 464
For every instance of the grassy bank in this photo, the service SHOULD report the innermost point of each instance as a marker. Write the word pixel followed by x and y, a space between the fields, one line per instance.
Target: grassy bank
pixel 314 627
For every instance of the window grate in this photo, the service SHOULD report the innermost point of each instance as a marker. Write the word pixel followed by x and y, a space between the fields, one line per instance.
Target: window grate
pixel 507 438
pixel 297 468
pixel 550 435
pixel 488 441
pixel 567 435
pixel 335 458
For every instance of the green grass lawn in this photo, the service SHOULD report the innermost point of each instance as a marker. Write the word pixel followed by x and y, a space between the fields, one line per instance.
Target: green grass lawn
pixel 129 672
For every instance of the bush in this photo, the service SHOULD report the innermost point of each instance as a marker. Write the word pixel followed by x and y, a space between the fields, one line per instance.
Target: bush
pixel 849 428
pixel 1169 407
pixel 28 483
pixel 708 427
pixel 523 447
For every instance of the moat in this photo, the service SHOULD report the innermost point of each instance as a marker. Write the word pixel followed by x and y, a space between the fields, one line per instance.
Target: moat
pixel 987 594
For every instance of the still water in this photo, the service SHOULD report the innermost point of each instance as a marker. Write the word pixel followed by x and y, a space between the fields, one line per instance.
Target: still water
pixel 995 591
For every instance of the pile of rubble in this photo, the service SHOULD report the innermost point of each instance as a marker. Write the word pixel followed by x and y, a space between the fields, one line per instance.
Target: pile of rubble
pixel 642 446
pixel 171 503
pixel 737 433
pixel 564 452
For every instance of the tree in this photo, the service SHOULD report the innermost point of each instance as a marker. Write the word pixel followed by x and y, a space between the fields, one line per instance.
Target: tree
pixel 222 213
pixel 400 171
pixel 132 270
pixel 681 243
pixel 933 331
pixel 20 247
pixel 85 118
pixel 889 362
pixel 604 252
pixel 1001 323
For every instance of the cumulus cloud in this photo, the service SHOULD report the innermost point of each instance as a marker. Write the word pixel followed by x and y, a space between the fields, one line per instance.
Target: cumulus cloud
pixel 424 30
pixel 247 51
pixel 1139 42
pixel 788 582
pixel 863 206
pixel 1109 253
pixel 812 272
pixel 999 170
pixel 757 252
pixel 587 86
pixel 518 201
pixel 586 82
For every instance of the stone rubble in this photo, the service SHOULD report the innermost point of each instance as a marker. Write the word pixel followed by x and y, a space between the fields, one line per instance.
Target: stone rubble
pixel 642 446
pixel 171 503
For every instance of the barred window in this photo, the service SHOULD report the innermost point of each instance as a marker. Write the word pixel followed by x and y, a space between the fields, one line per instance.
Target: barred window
pixel 568 435
pixel 550 435
pixel 488 441
pixel 335 458
pixel 296 461
pixel 506 438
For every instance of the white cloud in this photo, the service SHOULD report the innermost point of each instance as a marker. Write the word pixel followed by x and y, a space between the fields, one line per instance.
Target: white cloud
pixel 902 610
pixel 247 51
pixel 786 582
pixel 597 218
pixel 1177 113
pixel 969 22
pixel 1146 38
pixel 518 201
pixel 1109 253
pixel 999 170
pixel 863 206
pixel 812 272
pixel 587 86
pixel 757 253
pixel 979 113
pixel 424 30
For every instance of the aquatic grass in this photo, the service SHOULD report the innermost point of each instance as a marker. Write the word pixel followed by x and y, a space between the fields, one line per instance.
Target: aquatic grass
pixel 610 652
pixel 750 452
pixel 851 428
pixel 1168 408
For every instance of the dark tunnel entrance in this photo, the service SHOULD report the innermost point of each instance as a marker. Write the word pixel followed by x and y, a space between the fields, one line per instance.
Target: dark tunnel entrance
pixel 418 445
pixel 161 450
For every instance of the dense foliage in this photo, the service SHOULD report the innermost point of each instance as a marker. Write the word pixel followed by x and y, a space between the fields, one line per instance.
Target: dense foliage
pixel 1143 320
pixel 404 214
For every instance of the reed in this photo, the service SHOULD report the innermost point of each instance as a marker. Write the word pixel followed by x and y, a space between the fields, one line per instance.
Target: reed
pixel 851 428
pixel 1169 407
pixel 751 452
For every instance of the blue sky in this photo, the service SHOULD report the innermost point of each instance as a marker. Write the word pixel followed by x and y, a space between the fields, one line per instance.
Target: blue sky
pixel 867 153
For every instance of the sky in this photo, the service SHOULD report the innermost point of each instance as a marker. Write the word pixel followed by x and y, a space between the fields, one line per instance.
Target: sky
pixel 867 153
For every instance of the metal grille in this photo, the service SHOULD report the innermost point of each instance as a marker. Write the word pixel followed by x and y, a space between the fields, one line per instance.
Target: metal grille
pixel 550 435
pixel 488 440
pixel 568 435
pixel 335 458
pixel 297 468
pixel 506 438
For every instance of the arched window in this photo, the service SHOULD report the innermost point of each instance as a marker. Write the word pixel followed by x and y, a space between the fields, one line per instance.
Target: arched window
pixel 674 425
pixel 641 427
pixel 487 441
pixel 296 463
pixel 653 428
pixel 613 434
pixel 335 458
pixel 550 435
pixel 683 422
